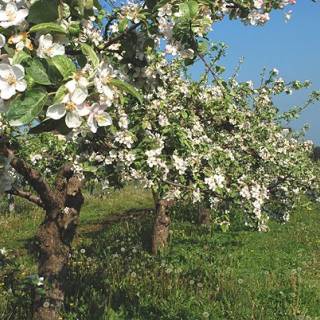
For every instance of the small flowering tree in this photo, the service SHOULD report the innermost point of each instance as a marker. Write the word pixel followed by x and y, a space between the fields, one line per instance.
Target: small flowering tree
pixel 221 145
pixel 72 67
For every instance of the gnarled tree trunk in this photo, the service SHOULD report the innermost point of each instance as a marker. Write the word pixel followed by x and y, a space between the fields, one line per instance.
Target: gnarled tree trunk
pixel 161 226
pixel 54 237
pixel 62 205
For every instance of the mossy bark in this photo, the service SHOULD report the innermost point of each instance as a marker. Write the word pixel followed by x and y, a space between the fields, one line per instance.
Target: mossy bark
pixel 62 204
pixel 161 226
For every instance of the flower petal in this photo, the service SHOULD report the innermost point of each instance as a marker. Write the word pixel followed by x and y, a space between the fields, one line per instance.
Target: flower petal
pixel 79 95
pixel 21 85
pixel 92 123
pixel 56 111
pixel 73 120
pixel 103 119
pixel 7 91
pixel 18 70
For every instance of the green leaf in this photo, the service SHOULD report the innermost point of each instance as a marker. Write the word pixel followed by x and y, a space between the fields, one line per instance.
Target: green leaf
pixel 74 27
pixel 189 9
pixel 61 92
pixel 89 168
pixel 38 72
pixel 65 66
pixel 123 24
pixel 127 88
pixel 19 57
pixel 48 27
pixel 90 54
pixel 43 11
pixel 24 109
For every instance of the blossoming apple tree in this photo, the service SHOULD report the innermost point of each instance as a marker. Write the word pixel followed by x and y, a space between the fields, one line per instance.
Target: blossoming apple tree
pixel 95 71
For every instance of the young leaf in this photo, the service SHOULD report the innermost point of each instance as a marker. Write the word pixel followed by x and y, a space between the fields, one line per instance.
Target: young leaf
pixel 43 11
pixel 48 27
pixel 65 66
pixel 189 9
pixel 90 54
pixel 19 57
pixel 61 92
pixel 24 109
pixel 38 72
pixel 127 88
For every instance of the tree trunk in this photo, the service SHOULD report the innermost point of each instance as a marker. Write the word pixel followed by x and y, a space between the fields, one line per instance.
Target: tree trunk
pixel 54 237
pixel 161 227
pixel 62 205
pixel 204 216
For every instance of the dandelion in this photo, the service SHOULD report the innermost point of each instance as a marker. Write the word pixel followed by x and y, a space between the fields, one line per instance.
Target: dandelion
pixel 206 315
pixel 40 281
pixel 82 250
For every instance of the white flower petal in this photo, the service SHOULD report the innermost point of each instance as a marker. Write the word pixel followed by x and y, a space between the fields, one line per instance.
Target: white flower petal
pixel 92 123
pixel 18 71
pixel 103 119
pixel 5 70
pixel 73 120
pixel 57 50
pixel 79 95
pixel 71 85
pixel 107 92
pixel 56 111
pixel 7 92
pixel 21 85
pixel 83 110
pixel 2 40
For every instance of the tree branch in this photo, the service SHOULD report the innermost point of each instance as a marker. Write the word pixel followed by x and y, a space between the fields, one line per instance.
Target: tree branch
pixel 122 35
pixel 64 173
pixel 33 177
pixel 26 195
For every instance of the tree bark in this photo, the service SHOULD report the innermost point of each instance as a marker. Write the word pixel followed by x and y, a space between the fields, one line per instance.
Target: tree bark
pixel 204 216
pixel 161 227
pixel 62 205
pixel 55 236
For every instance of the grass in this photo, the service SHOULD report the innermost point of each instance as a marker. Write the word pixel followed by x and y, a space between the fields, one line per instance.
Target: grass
pixel 204 274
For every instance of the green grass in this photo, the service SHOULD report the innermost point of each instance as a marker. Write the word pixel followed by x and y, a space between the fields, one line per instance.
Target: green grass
pixel 204 274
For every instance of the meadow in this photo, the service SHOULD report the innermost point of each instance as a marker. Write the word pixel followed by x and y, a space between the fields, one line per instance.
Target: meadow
pixel 204 274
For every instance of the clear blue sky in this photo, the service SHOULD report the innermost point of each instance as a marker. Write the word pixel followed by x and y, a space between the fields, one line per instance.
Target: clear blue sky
pixel 293 48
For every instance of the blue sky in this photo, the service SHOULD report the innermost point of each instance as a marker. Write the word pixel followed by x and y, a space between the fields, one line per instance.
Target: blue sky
pixel 293 48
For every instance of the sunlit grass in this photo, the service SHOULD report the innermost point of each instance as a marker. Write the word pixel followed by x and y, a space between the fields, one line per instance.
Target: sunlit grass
pixel 204 274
